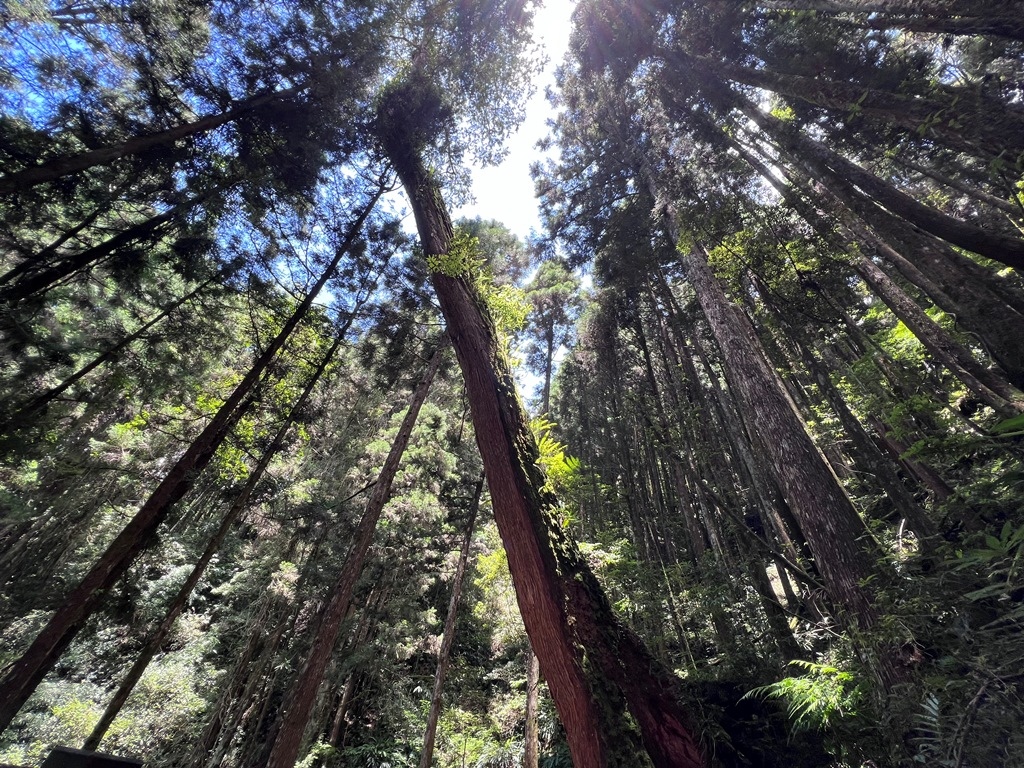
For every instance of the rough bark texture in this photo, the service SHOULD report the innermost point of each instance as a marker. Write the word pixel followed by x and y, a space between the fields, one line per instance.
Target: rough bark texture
pixel 591 662
pixel 827 519
pixel 25 674
pixel 448 638
pixel 302 697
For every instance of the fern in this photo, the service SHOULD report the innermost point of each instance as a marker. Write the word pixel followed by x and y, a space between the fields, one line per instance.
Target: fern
pixel 816 699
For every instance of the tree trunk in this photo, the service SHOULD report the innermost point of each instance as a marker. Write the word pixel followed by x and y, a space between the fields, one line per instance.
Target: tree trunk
pixel 585 653
pixel 300 700
pixel 65 166
pixel 25 674
pixel 40 402
pixel 834 170
pixel 960 119
pixel 156 640
pixel 828 520
pixel 426 756
pixel 531 741
pixel 37 282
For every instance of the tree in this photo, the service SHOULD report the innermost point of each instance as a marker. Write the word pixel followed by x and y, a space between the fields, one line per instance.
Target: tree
pixel 23 677
pixel 444 655
pixel 541 561
pixel 286 745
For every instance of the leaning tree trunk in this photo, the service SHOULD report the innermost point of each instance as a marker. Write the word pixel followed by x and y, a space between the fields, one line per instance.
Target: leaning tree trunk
pixel 65 166
pixel 156 639
pixel 449 632
pixel 591 661
pixel 989 386
pixel 827 519
pixel 27 672
pixel 832 169
pixel 963 120
pixel 33 283
pixel 300 701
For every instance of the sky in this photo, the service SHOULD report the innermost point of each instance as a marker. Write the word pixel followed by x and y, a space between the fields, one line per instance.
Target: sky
pixel 505 192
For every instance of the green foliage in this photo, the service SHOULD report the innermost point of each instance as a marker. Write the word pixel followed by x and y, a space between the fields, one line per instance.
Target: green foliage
pixel 818 698
pixel 561 469
pixel 463 258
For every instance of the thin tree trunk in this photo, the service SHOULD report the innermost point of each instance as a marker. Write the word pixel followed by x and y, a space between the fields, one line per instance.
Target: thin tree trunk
pixel 35 283
pixel 960 119
pixel 39 403
pixel 563 606
pixel 30 260
pixel 834 170
pixel 531 743
pixel 302 697
pixel 448 639
pixel 65 166
pixel 241 502
pixel 27 672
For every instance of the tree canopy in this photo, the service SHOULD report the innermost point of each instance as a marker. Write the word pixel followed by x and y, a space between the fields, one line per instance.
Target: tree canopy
pixel 269 494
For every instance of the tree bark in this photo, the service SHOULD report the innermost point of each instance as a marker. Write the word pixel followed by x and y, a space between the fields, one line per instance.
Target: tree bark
pixel 27 672
pixel 448 638
pixel 828 520
pixel 591 661
pixel 302 697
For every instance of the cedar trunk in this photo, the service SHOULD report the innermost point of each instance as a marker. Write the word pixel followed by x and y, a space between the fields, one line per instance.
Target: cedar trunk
pixel 592 663
pixel 827 519
pixel 285 750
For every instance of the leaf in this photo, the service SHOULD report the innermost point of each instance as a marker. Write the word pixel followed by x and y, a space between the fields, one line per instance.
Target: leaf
pixel 1013 424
